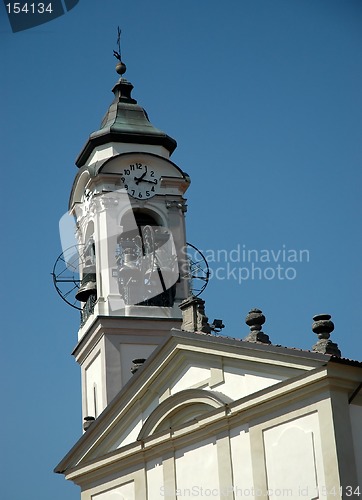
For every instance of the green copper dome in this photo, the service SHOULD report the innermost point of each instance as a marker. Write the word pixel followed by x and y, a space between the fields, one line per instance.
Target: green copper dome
pixel 127 122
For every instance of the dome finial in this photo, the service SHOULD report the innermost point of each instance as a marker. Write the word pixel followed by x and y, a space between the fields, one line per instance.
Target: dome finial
pixel 120 67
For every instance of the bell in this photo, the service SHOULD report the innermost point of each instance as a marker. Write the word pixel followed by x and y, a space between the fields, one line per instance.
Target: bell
pixel 169 276
pixel 153 277
pixel 129 273
pixel 87 287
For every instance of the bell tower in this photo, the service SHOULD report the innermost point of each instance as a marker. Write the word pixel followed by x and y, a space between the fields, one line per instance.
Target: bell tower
pixel 128 204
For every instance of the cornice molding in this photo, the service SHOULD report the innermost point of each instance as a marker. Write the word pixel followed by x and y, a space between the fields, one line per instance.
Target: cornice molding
pixel 313 385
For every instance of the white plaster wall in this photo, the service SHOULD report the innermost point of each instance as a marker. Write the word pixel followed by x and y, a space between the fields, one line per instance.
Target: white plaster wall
pixel 128 353
pixel 154 473
pixel 113 148
pixel 131 432
pixel 240 382
pixel 130 435
pixel 237 383
pixel 124 434
pixel 197 471
pixel 255 382
pixel 144 148
pixel 122 492
pixel 356 421
pixel 293 458
pixel 189 377
pixel 94 379
pixel 241 462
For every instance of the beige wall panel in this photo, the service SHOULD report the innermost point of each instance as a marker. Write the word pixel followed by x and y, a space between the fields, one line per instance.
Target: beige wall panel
pixel 129 352
pixel 241 462
pixel 293 458
pixel 240 383
pixel 122 492
pixel 189 377
pixel 94 387
pixel 197 471
pixel 154 472
pixel 356 422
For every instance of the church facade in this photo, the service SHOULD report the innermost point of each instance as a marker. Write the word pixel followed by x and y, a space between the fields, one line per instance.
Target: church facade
pixel 171 408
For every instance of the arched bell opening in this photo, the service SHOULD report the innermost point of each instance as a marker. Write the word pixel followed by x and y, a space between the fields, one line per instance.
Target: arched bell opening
pixel 87 292
pixel 134 221
pixel 146 260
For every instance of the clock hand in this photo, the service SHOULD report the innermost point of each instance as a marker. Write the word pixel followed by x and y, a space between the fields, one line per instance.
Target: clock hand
pixel 150 182
pixel 139 179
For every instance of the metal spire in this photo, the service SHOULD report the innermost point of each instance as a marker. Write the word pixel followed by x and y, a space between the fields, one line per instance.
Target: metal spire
pixel 117 54
pixel 120 67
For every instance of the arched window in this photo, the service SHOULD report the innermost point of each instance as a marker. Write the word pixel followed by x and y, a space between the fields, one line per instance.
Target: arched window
pixel 87 292
pixel 147 261
pixel 134 221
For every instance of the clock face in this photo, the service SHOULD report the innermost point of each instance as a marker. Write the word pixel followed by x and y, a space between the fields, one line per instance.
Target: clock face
pixel 141 180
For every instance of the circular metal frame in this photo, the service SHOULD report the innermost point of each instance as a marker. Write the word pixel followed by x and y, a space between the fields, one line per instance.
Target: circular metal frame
pixel 199 270
pixel 67 281
pixel 66 274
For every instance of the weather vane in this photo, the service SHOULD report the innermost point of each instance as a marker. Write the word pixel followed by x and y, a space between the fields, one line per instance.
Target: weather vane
pixel 116 54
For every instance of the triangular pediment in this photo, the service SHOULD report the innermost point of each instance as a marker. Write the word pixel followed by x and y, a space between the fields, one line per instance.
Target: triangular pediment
pixel 188 377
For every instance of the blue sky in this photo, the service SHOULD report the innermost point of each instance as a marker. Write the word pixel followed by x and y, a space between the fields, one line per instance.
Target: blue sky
pixel 263 98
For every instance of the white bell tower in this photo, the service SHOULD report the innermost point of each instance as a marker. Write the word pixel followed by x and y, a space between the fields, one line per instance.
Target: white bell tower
pixel 127 201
